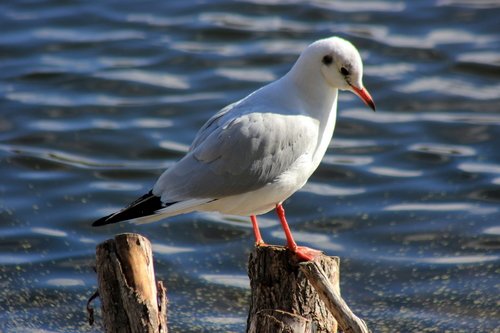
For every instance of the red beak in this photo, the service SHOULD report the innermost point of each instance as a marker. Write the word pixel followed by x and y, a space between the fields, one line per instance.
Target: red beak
pixel 365 96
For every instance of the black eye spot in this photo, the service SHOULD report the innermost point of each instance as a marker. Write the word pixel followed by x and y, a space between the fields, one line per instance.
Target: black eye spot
pixel 344 71
pixel 327 60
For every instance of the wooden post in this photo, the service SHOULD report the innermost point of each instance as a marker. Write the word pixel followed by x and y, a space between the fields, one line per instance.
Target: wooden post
pixel 277 283
pixel 131 300
pixel 288 296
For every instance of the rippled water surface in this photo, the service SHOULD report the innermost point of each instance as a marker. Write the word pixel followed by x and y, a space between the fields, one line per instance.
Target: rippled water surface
pixel 97 98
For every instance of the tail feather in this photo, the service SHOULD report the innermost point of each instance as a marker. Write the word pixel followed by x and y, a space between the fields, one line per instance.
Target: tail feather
pixel 146 205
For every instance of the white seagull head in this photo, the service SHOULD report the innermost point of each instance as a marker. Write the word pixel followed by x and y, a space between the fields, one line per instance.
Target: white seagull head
pixel 340 64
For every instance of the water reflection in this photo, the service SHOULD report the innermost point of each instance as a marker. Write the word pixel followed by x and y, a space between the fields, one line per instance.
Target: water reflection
pixel 442 207
pixel 162 80
pixel 238 281
pixel 49 232
pixel 169 250
pixel 458 260
pixel 391 172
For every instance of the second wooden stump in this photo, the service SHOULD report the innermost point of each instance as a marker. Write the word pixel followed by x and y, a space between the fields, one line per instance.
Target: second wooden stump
pixel 131 300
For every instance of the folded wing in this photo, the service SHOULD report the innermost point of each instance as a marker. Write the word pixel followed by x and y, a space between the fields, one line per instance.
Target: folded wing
pixel 238 155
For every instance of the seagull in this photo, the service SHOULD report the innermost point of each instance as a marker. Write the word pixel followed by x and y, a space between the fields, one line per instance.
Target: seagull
pixel 255 153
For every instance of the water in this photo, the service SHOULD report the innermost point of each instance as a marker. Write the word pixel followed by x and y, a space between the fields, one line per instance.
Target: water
pixel 97 99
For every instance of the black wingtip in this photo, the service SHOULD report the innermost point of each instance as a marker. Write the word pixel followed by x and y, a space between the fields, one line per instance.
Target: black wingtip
pixel 103 221
pixel 146 205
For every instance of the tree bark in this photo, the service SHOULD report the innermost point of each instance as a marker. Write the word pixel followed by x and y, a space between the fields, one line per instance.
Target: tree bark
pixel 131 301
pixel 278 284
pixel 273 321
pixel 347 320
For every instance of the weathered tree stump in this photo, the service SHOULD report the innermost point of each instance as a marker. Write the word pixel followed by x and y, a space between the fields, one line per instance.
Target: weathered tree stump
pixel 277 283
pixel 292 297
pixel 131 301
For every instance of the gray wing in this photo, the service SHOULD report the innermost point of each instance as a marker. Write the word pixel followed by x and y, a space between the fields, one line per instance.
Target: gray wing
pixel 233 155
pixel 216 121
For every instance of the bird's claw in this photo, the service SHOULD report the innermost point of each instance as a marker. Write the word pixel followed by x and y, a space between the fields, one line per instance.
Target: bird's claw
pixel 261 243
pixel 305 253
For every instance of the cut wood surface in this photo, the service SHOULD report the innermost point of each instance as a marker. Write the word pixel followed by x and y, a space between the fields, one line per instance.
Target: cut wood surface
pixel 131 300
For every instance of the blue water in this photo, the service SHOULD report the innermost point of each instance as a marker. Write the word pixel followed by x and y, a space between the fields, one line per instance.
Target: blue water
pixel 97 98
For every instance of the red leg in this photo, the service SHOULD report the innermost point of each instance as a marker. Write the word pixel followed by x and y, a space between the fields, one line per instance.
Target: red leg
pixel 256 231
pixel 289 238
pixel 304 253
